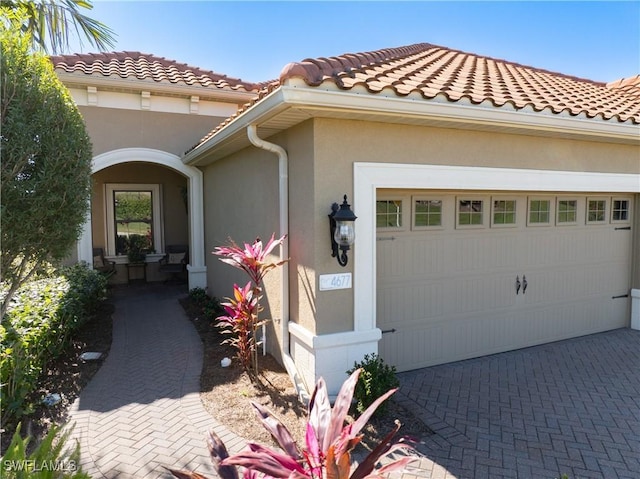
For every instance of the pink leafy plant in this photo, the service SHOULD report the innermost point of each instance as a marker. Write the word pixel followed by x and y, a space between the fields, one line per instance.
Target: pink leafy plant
pixel 329 441
pixel 242 311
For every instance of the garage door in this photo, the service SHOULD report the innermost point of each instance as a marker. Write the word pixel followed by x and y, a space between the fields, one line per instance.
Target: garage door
pixel 465 275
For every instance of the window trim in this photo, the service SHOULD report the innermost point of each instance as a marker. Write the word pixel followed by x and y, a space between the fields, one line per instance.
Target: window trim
pixel 551 201
pixel 402 227
pixel 156 197
pixel 629 212
pixel 557 215
pixel 607 203
pixel 481 225
pixel 515 211
pixel 443 216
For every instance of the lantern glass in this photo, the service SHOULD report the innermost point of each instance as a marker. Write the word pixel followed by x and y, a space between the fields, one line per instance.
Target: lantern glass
pixel 345 234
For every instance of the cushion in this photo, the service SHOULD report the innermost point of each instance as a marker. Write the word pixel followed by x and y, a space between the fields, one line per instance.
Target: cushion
pixel 97 262
pixel 175 258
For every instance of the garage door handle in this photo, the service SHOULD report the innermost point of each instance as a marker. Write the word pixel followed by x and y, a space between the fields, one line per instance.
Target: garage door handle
pixel 518 285
pixel 524 284
pixel 620 296
pixel 385 331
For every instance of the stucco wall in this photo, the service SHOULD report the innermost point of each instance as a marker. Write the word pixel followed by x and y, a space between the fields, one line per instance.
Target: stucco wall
pixel 341 140
pixel 241 203
pixel 112 129
pixel 340 143
pixel 303 228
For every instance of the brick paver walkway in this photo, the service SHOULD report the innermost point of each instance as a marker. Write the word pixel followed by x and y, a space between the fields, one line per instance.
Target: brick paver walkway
pixel 571 407
pixel 142 410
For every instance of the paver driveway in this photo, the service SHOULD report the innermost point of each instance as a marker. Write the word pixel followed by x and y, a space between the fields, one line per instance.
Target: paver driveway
pixel 571 407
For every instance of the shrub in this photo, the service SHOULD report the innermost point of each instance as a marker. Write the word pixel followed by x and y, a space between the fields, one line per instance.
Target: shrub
pixel 376 378
pixel 199 296
pixel 243 310
pixel 45 173
pixel 328 444
pixel 39 322
pixel 50 459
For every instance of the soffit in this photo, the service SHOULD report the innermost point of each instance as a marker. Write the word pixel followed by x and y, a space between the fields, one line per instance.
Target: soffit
pixel 295 105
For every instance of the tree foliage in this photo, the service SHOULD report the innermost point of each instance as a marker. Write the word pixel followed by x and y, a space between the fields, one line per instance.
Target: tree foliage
pixel 50 23
pixel 45 181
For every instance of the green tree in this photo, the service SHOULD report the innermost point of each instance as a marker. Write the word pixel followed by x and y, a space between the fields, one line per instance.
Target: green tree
pixel 50 23
pixel 45 173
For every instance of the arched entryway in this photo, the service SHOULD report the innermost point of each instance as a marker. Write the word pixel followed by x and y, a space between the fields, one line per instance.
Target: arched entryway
pixel 196 267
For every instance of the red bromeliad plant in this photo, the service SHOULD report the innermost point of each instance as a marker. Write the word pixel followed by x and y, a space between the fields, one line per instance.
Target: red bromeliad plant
pixel 241 321
pixel 328 445
pixel 242 318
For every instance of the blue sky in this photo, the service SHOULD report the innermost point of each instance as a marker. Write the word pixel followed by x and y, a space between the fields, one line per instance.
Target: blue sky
pixel 255 40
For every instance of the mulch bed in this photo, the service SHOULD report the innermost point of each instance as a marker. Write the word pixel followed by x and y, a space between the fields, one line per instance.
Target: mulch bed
pixel 226 393
pixel 67 376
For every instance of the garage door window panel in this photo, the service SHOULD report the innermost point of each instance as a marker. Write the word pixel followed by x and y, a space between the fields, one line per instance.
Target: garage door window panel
pixel 503 213
pixel 597 211
pixel 620 212
pixel 428 213
pixel 470 213
pixel 567 211
pixel 389 214
pixel 540 211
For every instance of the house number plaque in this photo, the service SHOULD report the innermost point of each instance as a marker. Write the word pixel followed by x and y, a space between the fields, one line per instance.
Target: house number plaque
pixel 329 282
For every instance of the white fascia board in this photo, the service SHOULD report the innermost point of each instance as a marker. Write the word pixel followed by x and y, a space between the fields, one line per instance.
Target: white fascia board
pixel 461 113
pixel 158 102
pixel 455 113
pixel 266 108
pixel 238 97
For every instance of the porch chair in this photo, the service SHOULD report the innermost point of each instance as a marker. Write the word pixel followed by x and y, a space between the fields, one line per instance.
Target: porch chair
pixel 175 261
pixel 102 264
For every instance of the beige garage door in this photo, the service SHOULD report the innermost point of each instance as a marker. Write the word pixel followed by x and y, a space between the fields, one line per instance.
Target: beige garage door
pixel 465 275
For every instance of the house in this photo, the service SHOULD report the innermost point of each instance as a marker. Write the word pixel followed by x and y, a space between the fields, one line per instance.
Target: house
pixel 142 112
pixel 497 204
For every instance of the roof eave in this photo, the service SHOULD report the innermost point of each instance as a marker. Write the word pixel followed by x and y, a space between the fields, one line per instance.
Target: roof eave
pixel 460 113
pixel 268 107
pixel 322 103
pixel 137 85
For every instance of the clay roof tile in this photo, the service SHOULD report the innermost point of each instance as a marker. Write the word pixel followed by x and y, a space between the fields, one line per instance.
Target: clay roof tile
pixel 432 70
pixel 146 67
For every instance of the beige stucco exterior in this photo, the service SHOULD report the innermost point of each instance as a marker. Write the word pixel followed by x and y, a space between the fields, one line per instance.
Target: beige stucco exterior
pixel 322 153
pixel 328 136
pixel 343 140
pixel 138 136
pixel 322 173
pixel 241 198
pixel 112 129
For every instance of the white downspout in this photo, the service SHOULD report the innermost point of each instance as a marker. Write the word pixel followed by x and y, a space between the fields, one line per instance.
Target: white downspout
pixel 283 189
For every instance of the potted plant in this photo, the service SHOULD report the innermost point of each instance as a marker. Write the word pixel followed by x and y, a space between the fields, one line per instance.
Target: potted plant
pixel 137 247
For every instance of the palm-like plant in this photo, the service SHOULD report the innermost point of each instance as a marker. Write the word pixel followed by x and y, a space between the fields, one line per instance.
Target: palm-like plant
pixel 241 322
pixel 328 444
pixel 50 23
pixel 242 311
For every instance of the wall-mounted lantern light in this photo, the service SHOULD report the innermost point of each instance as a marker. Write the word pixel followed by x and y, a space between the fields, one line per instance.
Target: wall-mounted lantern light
pixel 343 233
